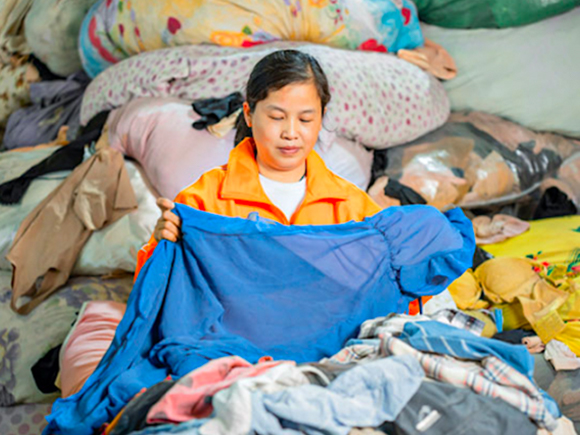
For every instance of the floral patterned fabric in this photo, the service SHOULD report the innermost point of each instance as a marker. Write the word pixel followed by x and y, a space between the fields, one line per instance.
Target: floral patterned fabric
pixel 377 99
pixel 117 29
pixel 25 339
pixel 15 78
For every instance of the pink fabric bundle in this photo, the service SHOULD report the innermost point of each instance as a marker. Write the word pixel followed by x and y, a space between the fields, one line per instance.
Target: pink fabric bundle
pixel 87 343
pixel 502 227
pixel 157 132
pixel 186 399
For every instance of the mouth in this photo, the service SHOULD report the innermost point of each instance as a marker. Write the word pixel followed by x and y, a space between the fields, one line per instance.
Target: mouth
pixel 289 151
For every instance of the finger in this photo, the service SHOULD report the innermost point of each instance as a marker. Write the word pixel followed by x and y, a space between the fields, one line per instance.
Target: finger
pixel 168 236
pixel 165 204
pixel 168 216
pixel 169 226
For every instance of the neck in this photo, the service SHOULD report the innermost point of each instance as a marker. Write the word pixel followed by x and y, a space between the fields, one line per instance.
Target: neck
pixel 290 176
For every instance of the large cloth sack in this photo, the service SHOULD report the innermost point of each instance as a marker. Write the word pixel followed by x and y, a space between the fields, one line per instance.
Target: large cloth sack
pixel 52 32
pixel 528 75
pixel 475 14
pixel 116 29
pixel 377 99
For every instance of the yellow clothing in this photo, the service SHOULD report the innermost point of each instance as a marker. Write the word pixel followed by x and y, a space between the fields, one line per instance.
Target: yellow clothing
pixel 555 242
pixel 526 299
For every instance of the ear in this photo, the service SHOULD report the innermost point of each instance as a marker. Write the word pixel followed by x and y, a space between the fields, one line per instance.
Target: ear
pixel 247 114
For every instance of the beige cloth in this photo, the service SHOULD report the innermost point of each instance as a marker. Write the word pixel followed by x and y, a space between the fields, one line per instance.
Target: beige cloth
pixel 432 58
pixel 365 431
pixel 565 427
pixel 561 357
pixel 222 128
pixel 534 344
pixel 49 240
pixel 500 228
pixel 490 179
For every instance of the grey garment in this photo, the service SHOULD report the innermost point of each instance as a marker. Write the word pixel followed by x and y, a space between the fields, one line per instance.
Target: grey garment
pixel 324 373
pixel 55 103
pixel 443 409
pixel 563 386
pixel 365 396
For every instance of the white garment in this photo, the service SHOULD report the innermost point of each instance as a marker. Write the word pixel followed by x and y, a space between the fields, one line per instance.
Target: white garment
pixel 560 355
pixel 233 406
pixel 286 196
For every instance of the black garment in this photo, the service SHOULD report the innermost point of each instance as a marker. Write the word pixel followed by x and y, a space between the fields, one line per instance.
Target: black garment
pixel 43 71
pixel 514 336
pixel 65 158
pixel 213 110
pixel 323 374
pixel 554 203
pixel 135 413
pixel 480 256
pixel 403 193
pixel 45 371
pixel 444 409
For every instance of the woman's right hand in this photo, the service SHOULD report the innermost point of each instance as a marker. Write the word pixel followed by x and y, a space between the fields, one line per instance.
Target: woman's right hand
pixel 169 225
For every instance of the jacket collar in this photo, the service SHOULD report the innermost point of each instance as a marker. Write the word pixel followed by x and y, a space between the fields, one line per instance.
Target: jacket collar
pixel 242 180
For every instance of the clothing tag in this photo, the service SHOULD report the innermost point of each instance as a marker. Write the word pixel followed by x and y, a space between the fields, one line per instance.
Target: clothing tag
pixel 428 417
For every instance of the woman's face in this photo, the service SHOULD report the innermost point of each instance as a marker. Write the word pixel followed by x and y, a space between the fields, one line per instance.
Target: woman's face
pixel 285 127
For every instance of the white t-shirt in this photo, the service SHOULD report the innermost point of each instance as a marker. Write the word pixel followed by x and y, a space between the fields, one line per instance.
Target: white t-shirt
pixel 286 196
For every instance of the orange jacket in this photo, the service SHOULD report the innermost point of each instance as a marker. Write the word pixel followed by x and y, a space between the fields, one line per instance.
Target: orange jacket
pixel 234 190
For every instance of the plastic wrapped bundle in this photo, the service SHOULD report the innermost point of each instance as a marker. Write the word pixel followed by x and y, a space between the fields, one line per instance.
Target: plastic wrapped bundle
pixel 474 160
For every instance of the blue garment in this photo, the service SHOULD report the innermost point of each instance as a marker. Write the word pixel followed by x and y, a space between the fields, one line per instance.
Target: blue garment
pixel 235 286
pixel 390 20
pixel 364 396
pixel 433 336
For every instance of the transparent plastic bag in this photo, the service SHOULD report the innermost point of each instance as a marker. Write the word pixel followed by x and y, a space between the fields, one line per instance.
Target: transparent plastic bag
pixel 476 162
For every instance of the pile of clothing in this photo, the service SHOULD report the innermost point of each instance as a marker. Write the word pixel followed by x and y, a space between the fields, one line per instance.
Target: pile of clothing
pixel 107 105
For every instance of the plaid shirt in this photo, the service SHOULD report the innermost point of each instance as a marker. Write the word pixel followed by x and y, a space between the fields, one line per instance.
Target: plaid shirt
pixel 492 377
pixel 355 353
pixel 395 323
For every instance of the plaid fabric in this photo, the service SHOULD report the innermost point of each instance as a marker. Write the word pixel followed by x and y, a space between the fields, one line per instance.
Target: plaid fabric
pixel 394 324
pixel 355 353
pixel 492 377
pixel 460 320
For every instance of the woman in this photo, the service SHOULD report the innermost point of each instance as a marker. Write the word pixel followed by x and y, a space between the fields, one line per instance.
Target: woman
pixel 273 170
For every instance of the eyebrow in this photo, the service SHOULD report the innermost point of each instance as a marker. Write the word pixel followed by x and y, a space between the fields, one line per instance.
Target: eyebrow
pixel 273 107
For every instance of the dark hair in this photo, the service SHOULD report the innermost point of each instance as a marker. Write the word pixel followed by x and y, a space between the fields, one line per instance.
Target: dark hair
pixel 275 71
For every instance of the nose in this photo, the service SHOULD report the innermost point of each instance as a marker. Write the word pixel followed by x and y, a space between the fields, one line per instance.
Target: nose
pixel 290 131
